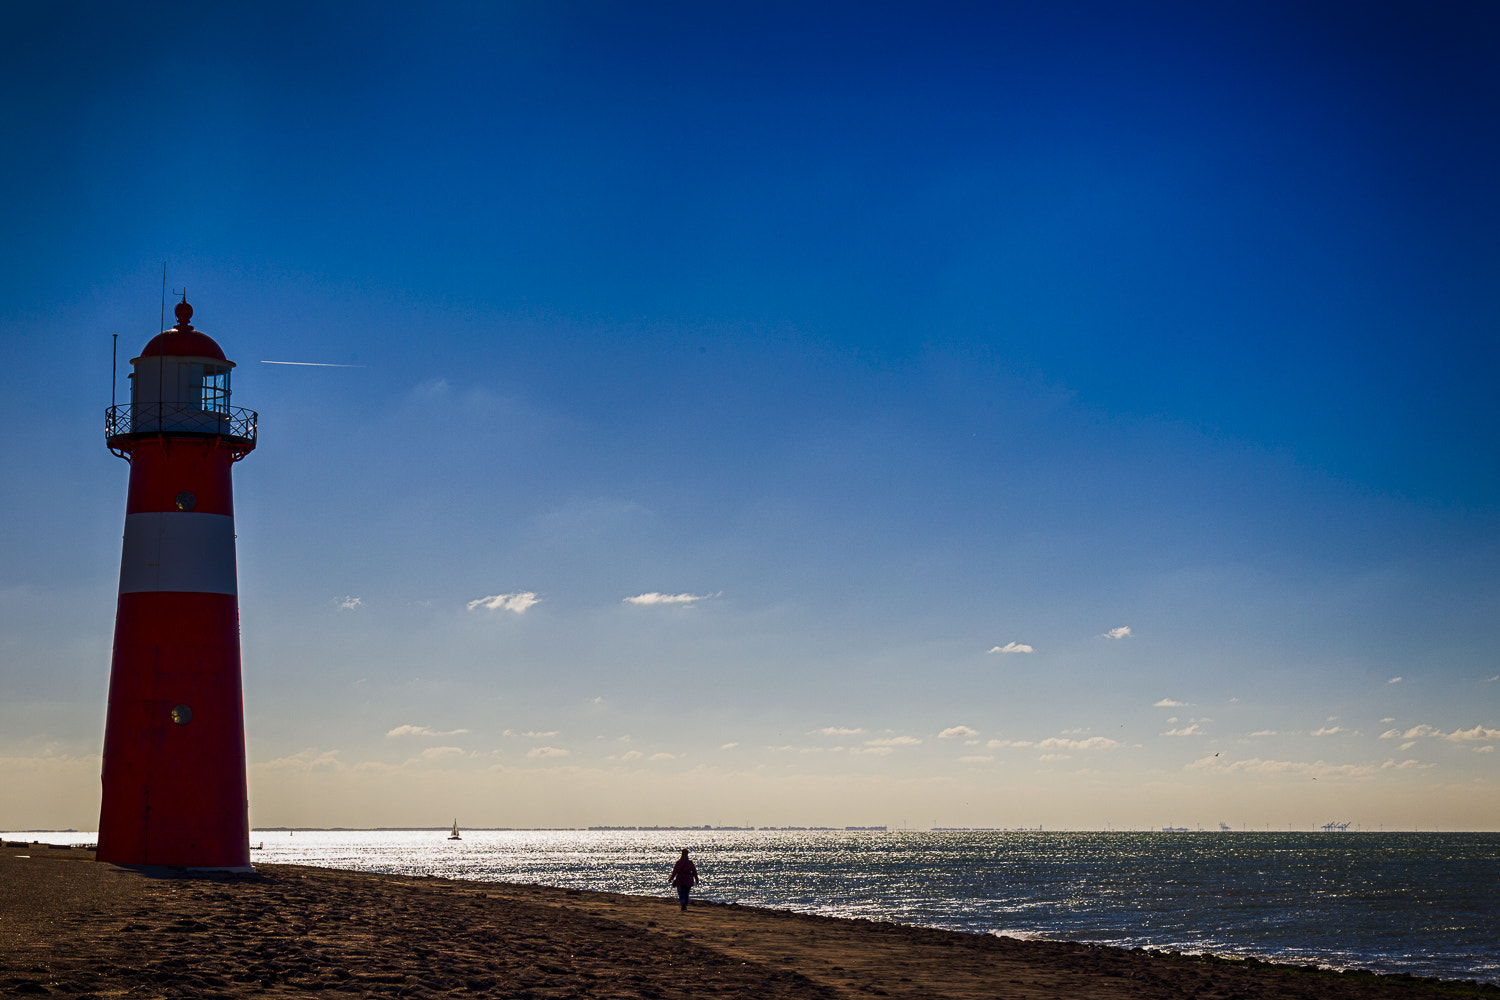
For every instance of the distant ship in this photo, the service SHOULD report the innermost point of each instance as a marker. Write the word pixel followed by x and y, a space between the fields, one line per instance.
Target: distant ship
pixel 1174 829
pixel 1224 827
pixel 454 835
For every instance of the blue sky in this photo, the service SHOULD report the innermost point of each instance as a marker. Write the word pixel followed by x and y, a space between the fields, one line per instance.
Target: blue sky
pixel 880 338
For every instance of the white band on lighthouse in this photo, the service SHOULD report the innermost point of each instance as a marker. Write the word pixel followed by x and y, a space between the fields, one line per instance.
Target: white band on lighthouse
pixel 178 551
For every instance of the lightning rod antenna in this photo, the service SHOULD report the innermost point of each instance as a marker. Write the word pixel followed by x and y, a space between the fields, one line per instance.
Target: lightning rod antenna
pixel 161 359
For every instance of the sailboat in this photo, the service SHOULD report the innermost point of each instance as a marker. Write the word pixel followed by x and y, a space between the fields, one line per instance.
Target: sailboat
pixel 454 835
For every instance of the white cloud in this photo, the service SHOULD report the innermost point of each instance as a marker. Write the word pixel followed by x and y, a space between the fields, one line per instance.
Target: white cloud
pixel 893 741
pixel 1474 735
pixel 631 755
pixel 347 603
pixel 955 731
pixel 1264 732
pixel 1477 733
pixel 979 759
pixel 1169 703
pixel 1055 756
pixel 1387 720
pixel 517 602
pixel 662 756
pixel 540 736
pixel 1191 730
pixel 655 598
pixel 437 753
pixel 1488 749
pixel 1394 680
pixel 1300 769
pixel 546 752
pixel 1092 743
pixel 1404 765
pixel 424 731
pixel 997 744
pixel 307 760
pixel 1329 731
pixel 430 389
pixel 1117 633
pixel 836 731
pixel 1013 647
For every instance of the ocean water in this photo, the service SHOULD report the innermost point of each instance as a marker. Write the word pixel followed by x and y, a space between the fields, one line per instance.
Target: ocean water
pixel 1422 903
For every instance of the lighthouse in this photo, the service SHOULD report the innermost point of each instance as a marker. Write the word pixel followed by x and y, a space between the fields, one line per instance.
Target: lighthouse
pixel 174 734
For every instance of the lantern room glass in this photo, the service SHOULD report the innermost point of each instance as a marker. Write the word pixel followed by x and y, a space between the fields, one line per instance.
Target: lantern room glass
pixel 207 388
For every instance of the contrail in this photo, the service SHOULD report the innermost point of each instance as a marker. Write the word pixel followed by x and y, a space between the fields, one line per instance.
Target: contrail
pixel 311 364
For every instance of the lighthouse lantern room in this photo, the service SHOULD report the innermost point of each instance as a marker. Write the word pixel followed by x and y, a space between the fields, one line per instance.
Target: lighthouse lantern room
pixel 174 790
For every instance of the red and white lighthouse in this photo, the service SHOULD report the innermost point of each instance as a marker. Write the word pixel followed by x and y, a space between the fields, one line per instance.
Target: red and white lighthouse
pixel 174 736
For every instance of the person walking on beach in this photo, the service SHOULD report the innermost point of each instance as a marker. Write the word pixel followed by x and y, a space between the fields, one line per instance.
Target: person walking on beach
pixel 684 877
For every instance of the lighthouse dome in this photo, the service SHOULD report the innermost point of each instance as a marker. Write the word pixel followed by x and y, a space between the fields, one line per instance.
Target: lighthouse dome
pixel 182 341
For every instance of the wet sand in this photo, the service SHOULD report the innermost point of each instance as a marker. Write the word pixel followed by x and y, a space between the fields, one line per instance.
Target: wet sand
pixel 70 926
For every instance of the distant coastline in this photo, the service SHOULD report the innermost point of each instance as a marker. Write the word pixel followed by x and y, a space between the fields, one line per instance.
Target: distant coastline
pixel 1331 828
pixel 704 828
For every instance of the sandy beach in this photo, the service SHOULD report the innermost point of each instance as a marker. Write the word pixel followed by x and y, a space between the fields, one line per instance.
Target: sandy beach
pixel 71 926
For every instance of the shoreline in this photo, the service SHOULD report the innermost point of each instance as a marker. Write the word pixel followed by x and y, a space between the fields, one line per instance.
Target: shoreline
pixel 72 925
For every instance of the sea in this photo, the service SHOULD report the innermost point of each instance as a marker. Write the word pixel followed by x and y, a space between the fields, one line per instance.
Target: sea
pixel 1425 904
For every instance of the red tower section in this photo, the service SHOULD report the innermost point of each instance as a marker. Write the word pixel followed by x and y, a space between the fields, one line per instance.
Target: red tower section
pixel 174 736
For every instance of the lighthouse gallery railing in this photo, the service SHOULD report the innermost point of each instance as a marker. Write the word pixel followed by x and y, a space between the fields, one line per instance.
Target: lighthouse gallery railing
pixel 128 419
